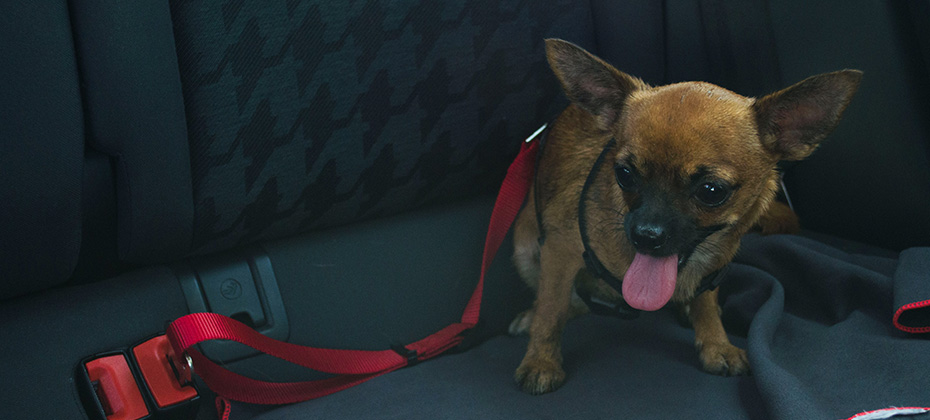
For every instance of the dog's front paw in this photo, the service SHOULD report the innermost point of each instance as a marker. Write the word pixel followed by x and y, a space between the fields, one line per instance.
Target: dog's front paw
pixel 724 359
pixel 539 376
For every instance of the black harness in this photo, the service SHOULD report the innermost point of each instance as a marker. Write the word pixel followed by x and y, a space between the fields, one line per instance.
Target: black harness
pixel 592 262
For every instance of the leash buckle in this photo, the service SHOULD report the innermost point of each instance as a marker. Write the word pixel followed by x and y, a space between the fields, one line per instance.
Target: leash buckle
pixel 410 355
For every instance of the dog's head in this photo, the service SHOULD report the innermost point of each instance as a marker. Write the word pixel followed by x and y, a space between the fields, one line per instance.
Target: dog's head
pixel 694 164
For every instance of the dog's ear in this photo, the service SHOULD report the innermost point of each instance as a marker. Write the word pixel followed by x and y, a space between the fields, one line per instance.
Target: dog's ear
pixel 793 121
pixel 589 82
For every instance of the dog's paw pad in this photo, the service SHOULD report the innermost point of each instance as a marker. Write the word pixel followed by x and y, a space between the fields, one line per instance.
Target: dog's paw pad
pixel 724 359
pixel 521 323
pixel 539 376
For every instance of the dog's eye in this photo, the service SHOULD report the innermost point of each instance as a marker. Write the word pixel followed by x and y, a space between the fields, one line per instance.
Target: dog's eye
pixel 625 177
pixel 712 194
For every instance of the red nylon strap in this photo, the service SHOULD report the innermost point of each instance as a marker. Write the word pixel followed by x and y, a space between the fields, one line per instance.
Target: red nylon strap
pixel 195 328
pixel 223 408
pixel 509 202
pixel 351 367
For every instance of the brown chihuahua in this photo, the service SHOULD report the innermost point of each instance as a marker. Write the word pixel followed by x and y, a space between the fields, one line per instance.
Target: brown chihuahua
pixel 657 185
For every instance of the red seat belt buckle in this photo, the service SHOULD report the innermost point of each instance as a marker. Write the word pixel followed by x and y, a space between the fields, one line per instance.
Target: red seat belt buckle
pixel 167 378
pixel 143 382
pixel 110 388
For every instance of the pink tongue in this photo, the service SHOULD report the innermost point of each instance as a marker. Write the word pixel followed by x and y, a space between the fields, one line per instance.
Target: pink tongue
pixel 649 282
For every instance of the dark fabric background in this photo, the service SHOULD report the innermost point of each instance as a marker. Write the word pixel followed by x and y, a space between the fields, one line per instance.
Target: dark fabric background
pixel 41 145
pixel 131 93
pixel 303 115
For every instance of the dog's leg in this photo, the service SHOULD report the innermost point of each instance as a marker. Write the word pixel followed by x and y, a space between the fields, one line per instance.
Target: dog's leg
pixel 717 354
pixel 521 323
pixel 779 218
pixel 526 259
pixel 541 368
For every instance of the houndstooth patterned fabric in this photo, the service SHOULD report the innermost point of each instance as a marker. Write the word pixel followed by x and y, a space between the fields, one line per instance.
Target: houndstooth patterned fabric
pixel 310 114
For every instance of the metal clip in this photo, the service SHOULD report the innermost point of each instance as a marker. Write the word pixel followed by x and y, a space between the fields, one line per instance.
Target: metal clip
pixel 183 371
pixel 536 133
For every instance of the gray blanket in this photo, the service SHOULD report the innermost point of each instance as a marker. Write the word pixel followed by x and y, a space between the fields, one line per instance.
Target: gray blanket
pixel 816 319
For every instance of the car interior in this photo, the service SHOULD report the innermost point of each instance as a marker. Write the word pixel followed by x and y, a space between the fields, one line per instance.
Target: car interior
pixel 324 172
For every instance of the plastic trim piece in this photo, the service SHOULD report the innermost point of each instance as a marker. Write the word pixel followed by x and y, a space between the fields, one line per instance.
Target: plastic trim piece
pixel 241 286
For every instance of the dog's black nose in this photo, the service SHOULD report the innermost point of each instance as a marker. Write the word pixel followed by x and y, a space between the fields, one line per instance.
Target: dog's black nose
pixel 648 237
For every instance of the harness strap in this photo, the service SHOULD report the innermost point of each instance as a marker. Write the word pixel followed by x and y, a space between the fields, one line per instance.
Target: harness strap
pixel 594 265
pixel 621 309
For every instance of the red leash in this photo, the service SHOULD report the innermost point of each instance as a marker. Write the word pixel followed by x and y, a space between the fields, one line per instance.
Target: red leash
pixel 351 367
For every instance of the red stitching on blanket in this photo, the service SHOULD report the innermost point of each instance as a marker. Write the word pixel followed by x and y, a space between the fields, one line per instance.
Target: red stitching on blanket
pixel 887 409
pixel 908 307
